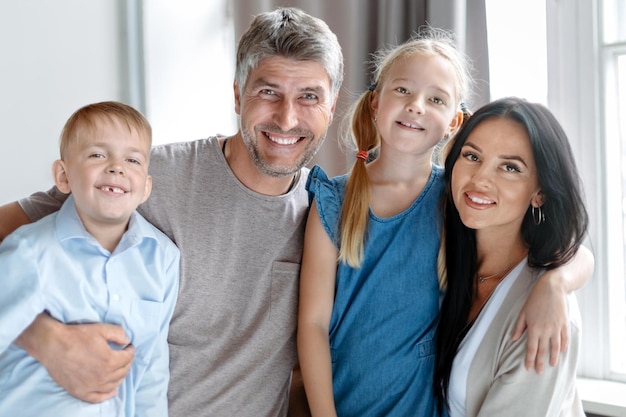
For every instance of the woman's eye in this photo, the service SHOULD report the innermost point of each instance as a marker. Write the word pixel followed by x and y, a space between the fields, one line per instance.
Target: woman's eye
pixel 470 156
pixel 511 168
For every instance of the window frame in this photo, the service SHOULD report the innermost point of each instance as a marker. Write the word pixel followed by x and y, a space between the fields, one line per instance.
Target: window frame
pixel 577 85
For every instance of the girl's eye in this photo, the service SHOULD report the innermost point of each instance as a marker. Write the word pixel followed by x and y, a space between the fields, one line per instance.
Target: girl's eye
pixel 437 100
pixel 402 90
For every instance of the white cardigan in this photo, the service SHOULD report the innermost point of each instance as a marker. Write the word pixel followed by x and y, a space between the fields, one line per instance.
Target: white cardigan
pixel 498 383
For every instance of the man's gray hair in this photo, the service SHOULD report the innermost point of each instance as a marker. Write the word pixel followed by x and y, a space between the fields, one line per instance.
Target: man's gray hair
pixel 290 33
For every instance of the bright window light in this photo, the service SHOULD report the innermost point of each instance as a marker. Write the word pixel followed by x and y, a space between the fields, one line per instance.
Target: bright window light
pixel 516 34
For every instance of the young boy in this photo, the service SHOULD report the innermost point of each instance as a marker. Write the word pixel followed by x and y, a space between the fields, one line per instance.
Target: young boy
pixel 95 261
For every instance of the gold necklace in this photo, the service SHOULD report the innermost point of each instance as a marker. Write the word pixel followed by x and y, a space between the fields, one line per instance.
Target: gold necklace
pixel 501 274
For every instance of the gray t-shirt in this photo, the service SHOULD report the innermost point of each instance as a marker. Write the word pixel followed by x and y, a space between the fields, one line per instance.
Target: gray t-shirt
pixel 233 334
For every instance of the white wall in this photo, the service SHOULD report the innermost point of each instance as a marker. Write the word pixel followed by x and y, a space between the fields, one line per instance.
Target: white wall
pixel 55 56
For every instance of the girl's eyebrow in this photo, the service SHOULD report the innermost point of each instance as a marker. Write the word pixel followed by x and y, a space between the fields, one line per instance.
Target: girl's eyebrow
pixel 503 156
pixel 435 87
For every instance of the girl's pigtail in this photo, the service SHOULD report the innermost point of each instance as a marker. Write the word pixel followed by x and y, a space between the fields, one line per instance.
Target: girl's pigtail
pixel 355 209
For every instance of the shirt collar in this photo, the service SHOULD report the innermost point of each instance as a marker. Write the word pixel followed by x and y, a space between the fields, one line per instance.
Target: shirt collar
pixel 69 226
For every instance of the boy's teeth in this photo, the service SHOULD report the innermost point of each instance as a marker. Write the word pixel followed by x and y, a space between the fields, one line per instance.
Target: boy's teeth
pixel 113 189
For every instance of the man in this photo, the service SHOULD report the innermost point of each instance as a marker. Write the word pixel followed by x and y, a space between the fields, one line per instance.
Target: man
pixel 236 208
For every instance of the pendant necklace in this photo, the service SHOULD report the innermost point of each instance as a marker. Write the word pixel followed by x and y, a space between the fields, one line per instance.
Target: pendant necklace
pixel 500 274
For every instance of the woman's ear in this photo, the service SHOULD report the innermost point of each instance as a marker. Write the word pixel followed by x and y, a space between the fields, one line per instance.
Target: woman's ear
pixel 538 199
pixel 59 173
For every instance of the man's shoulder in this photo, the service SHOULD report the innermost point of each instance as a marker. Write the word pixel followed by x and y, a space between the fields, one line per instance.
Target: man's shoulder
pixel 168 151
pixel 182 159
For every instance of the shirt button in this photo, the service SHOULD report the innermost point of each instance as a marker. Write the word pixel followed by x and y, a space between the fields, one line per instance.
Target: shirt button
pixel 116 297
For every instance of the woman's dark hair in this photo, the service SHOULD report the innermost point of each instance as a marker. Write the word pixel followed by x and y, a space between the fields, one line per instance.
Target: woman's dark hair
pixel 551 243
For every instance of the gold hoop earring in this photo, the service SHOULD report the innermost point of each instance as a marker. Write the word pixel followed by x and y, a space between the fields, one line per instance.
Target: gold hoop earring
pixel 538 216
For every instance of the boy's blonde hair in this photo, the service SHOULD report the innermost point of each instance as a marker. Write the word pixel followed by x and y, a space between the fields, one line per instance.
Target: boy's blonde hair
pixel 363 134
pixel 84 121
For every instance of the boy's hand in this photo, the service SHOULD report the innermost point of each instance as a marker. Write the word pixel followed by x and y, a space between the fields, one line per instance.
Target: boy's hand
pixel 78 356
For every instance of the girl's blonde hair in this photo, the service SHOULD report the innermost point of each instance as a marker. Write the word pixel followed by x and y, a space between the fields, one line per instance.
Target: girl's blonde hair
pixel 363 134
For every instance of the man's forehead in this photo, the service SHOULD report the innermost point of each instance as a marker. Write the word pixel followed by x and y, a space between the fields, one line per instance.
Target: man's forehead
pixel 280 72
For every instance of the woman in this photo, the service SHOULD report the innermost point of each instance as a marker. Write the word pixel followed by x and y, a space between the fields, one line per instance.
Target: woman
pixel 513 209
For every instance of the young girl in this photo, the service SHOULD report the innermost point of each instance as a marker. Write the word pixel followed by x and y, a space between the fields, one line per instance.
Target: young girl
pixel 513 209
pixel 369 294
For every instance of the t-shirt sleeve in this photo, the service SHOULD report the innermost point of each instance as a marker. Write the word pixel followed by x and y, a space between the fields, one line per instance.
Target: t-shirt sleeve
pixel 328 195
pixel 40 204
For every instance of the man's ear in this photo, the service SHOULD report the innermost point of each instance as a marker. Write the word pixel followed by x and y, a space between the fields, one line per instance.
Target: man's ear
pixel 59 173
pixel 237 98
pixel 332 109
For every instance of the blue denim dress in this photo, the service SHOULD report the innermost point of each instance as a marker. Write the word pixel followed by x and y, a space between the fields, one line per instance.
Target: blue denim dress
pixel 384 317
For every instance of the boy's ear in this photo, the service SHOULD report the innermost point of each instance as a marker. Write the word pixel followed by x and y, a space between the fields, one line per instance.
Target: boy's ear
pixel 59 173
pixel 148 189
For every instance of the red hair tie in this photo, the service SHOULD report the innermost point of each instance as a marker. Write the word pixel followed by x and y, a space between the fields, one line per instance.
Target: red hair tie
pixel 362 155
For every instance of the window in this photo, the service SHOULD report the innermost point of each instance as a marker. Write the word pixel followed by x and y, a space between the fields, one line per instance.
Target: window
pixel 613 48
pixel 572 56
pixel 190 62
pixel 517 56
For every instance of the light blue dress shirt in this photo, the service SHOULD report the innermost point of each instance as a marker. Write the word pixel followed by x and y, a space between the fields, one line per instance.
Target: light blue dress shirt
pixel 55 265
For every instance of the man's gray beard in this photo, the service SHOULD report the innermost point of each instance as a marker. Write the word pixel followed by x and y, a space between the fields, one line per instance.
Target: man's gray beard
pixel 251 145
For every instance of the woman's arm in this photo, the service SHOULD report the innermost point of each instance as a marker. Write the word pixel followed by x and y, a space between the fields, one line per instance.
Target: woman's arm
pixel 317 289
pixel 545 313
